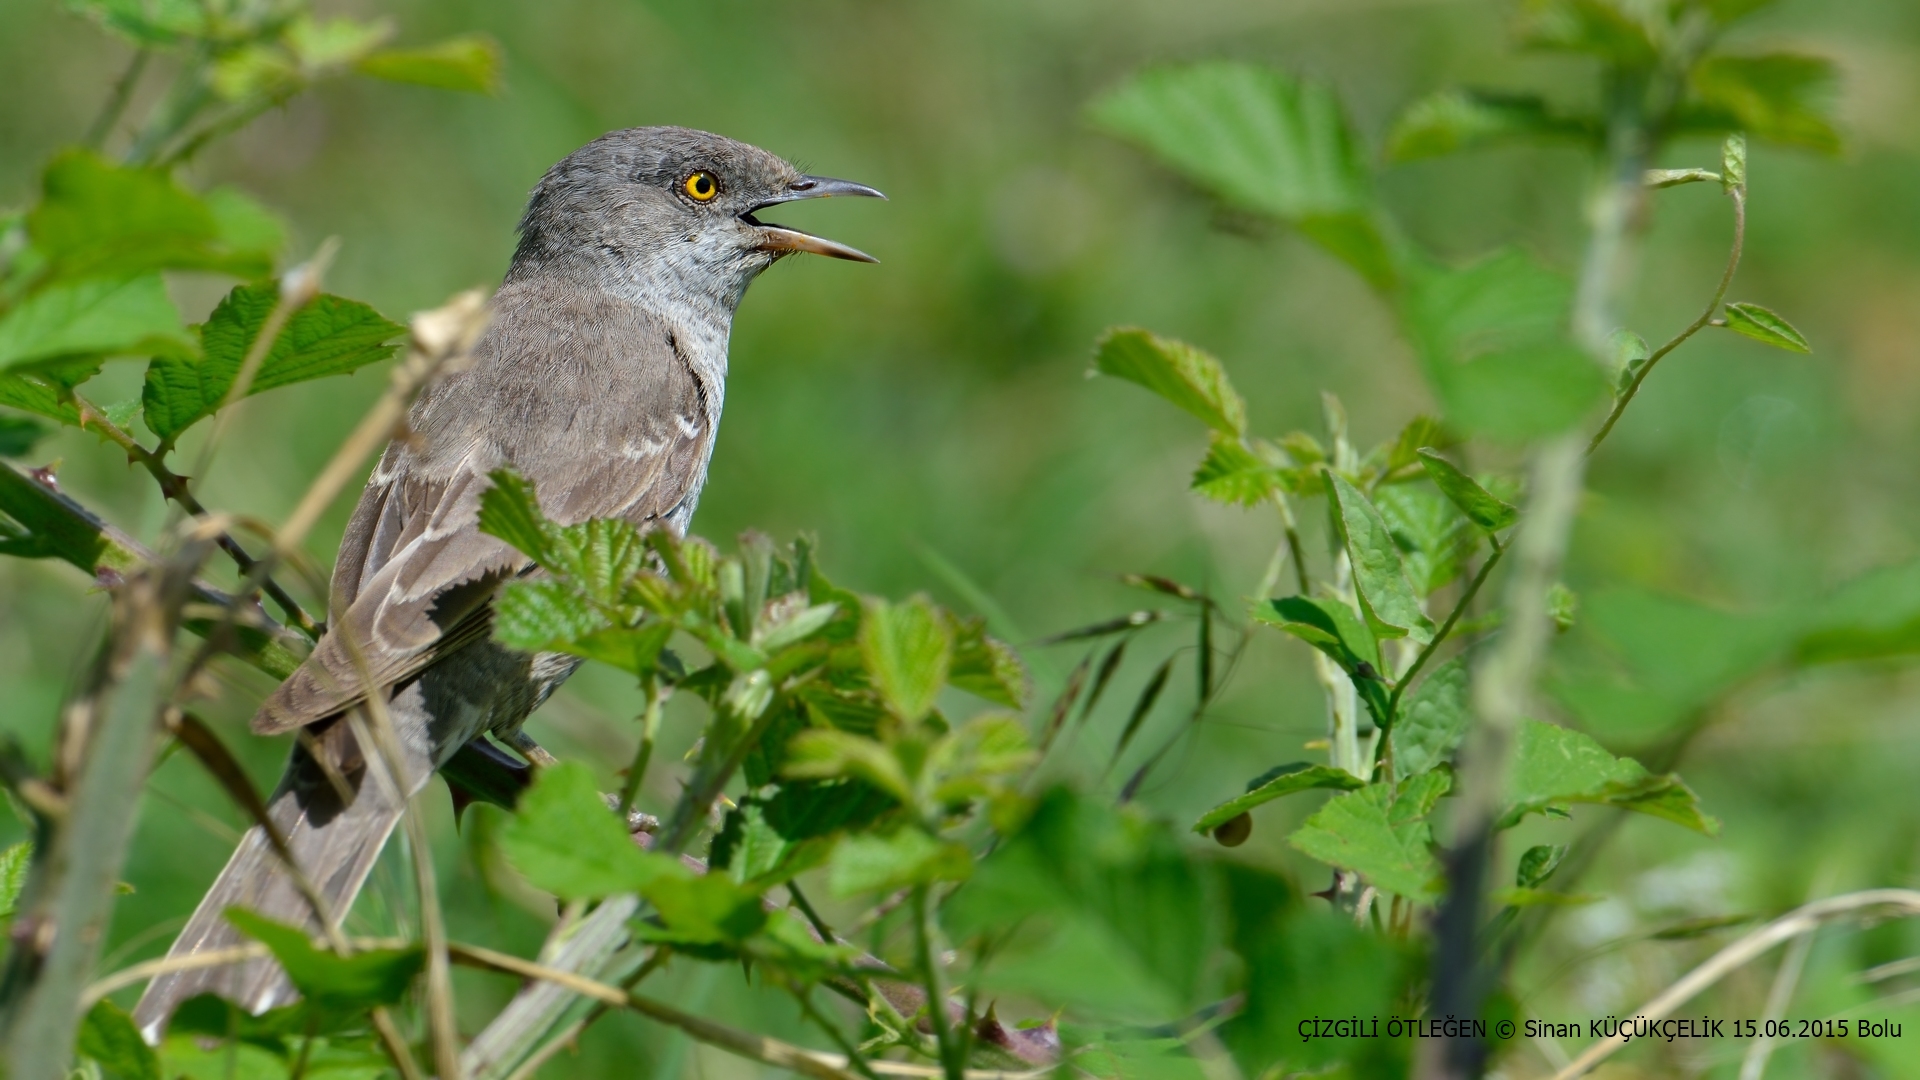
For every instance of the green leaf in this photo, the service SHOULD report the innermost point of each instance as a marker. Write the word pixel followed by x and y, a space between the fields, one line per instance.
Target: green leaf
pixel 18 434
pixel 96 218
pixel 510 510
pixel 1327 625
pixel 1379 577
pixel 1433 719
pixel 97 317
pixel 544 615
pixel 1434 539
pixel 599 557
pixel 1666 178
pixel 37 392
pixel 1537 864
pixel 566 842
pixel 149 23
pixel 1875 615
pixel 469 63
pixel 107 1036
pixel 820 754
pixel 1178 372
pixel 1463 491
pixel 1642 662
pixel 701 909
pixel 1733 163
pixel 866 863
pixel 1608 29
pixel 326 336
pixel 1450 121
pixel 803 810
pixel 1263 141
pixel 1492 339
pixel 1384 838
pixel 908 649
pixel 1784 98
pixel 1272 784
pixel 986 667
pixel 14 863
pixel 1554 766
pixel 1761 324
pixel 1094 907
pixel 367 978
pixel 1233 474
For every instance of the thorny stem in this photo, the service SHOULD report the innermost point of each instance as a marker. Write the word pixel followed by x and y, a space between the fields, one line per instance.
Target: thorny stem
pixel 1625 397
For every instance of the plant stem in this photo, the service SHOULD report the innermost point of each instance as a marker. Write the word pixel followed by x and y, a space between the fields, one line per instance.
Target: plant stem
pixel 839 1038
pixel 643 754
pixel 116 102
pixel 1626 395
pixel 923 933
pixel 173 486
pixel 1446 628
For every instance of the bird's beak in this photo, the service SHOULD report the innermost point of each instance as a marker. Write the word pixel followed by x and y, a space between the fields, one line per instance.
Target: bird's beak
pixel 784 241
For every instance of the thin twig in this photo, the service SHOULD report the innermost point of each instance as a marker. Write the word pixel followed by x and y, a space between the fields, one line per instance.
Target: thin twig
pixel 757 1047
pixel 1803 920
pixel 1625 397
pixel 116 102
pixel 1453 619
pixel 1754 1065
pixel 943 1035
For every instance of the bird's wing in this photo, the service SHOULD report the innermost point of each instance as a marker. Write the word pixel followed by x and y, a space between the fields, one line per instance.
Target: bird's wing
pixel 615 425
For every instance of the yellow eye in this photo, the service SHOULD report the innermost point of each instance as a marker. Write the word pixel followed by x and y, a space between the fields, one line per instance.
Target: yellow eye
pixel 701 186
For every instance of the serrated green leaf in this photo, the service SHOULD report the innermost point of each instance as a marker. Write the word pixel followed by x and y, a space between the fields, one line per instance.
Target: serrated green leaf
pixel 96 218
pixel 598 557
pixel 1784 98
pixel 1379 577
pixel 1263 141
pixel 1733 163
pixel 804 810
pixel 1433 720
pixel 825 754
pixel 1233 474
pixel 1434 538
pixel 96 317
pixel 367 978
pixel 1370 832
pixel 544 615
pixel 108 1037
pixel 1464 492
pixel 867 863
pixel 510 510
pixel 326 336
pixel 1450 121
pixel 565 841
pixel 1178 372
pixel 908 650
pixel 1554 766
pixel 14 863
pixel 987 667
pixel 36 392
pixel 469 63
pixel 1271 785
pixel 1763 325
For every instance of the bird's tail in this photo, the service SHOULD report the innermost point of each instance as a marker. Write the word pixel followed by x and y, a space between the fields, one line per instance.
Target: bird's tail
pixel 335 821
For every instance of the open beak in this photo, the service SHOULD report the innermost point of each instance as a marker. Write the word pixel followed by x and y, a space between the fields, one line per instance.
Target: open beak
pixel 785 241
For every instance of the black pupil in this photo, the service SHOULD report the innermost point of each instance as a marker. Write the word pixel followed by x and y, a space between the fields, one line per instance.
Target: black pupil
pixel 702 184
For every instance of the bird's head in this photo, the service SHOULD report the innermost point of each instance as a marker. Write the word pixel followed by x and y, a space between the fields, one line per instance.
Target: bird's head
pixel 672 213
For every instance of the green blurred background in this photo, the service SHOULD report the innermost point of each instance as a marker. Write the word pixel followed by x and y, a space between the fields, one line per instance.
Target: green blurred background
pixel 933 411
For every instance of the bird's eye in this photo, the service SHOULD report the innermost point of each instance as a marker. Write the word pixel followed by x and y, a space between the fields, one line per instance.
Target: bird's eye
pixel 701 186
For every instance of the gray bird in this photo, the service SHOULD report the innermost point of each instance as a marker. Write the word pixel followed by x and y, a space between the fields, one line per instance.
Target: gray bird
pixel 600 378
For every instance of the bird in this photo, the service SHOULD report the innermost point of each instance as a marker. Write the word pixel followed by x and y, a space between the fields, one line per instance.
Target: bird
pixel 600 377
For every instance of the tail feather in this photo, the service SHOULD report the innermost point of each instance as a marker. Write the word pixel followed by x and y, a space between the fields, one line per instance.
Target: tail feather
pixel 334 841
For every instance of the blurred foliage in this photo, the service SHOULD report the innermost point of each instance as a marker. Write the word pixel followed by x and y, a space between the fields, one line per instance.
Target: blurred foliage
pixel 1742 565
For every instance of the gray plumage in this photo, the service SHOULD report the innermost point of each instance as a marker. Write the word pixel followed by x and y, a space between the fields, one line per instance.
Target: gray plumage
pixel 601 378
